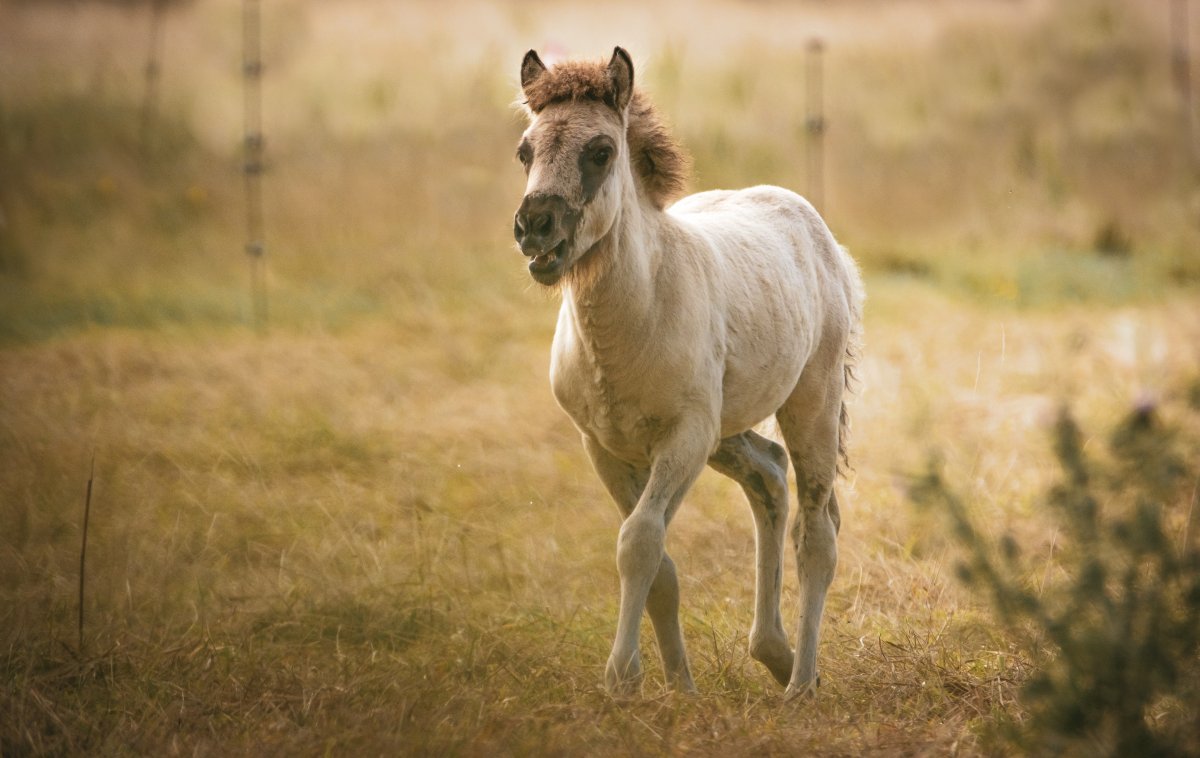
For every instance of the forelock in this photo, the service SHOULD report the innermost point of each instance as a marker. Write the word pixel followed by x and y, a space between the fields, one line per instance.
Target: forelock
pixel 570 81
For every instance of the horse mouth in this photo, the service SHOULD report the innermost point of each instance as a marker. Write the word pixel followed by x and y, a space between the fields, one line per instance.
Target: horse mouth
pixel 548 267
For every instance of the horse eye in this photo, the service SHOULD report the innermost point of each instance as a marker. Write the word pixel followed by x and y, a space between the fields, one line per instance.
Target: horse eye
pixel 523 154
pixel 601 157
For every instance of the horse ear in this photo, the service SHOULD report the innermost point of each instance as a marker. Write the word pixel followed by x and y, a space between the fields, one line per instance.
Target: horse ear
pixel 531 68
pixel 620 73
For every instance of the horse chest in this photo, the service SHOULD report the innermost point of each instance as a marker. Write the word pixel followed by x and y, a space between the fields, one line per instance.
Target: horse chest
pixel 619 407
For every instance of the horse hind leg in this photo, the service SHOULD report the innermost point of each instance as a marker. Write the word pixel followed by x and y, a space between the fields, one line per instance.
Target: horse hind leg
pixel 810 422
pixel 760 467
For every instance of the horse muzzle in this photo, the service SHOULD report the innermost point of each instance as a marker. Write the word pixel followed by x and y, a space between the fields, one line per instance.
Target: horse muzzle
pixel 543 227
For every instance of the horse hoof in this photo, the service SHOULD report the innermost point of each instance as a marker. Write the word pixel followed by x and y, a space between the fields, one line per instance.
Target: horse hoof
pixel 807 691
pixel 623 682
pixel 622 690
pixel 776 655
pixel 683 685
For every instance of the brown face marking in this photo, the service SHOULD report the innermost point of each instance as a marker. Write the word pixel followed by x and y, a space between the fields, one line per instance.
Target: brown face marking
pixel 525 154
pixel 595 164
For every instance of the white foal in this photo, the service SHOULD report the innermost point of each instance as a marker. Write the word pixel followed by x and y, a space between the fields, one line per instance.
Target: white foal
pixel 681 328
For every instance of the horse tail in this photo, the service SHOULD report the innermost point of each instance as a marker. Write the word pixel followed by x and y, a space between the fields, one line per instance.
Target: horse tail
pixel 855 295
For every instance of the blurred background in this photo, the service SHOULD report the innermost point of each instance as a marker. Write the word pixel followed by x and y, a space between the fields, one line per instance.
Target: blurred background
pixel 1020 151
pixel 353 518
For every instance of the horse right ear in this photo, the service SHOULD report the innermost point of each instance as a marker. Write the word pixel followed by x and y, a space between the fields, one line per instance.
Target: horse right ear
pixel 531 68
pixel 620 75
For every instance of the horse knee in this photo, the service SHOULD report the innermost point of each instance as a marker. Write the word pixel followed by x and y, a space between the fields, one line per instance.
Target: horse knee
pixel 775 483
pixel 766 485
pixel 770 465
pixel 640 546
pixel 778 454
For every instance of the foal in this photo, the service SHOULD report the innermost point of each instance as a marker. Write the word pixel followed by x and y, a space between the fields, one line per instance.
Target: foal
pixel 683 326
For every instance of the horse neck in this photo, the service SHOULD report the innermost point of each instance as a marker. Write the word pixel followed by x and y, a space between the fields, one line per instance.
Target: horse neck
pixel 617 304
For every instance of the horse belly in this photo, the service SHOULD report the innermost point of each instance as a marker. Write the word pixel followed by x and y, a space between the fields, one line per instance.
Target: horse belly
pixel 768 346
pixel 752 393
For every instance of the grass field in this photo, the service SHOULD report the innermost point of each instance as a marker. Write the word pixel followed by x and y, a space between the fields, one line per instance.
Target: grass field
pixel 368 529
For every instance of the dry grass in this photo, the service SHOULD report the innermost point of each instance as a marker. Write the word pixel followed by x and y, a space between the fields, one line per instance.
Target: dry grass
pixel 370 530
pixel 311 541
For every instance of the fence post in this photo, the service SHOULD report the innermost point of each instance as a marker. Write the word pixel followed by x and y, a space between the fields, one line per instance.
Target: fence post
pixel 153 73
pixel 1181 72
pixel 814 123
pixel 253 166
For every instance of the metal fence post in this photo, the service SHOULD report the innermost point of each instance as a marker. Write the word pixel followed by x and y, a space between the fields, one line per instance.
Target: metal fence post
pixel 814 123
pixel 1181 72
pixel 253 147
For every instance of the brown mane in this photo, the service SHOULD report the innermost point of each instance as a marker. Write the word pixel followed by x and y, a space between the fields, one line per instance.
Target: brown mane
pixel 659 162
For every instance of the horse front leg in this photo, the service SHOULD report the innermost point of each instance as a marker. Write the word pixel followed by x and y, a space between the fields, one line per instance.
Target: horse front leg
pixel 648 578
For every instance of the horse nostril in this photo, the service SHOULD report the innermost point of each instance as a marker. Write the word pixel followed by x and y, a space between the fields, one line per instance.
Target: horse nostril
pixel 539 222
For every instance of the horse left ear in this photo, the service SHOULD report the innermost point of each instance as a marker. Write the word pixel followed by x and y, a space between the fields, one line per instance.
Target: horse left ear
pixel 620 73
